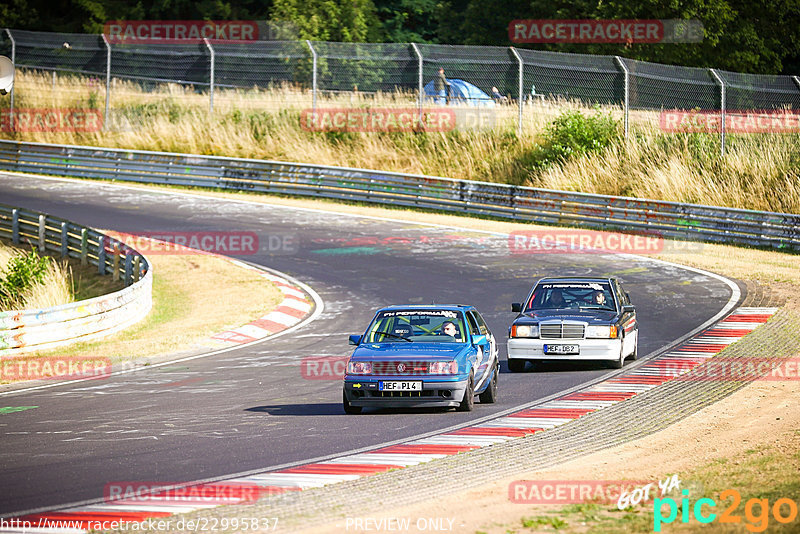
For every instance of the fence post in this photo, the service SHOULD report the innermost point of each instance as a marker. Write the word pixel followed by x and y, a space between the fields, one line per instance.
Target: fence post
pixel 128 268
pixel 108 79
pixel 101 255
pixel 721 83
pixel 420 87
pixel 42 230
pixel 313 77
pixel 14 61
pixel 137 270
pixel 64 240
pixel 626 102
pixel 210 77
pixel 15 226
pixel 115 262
pixel 796 81
pixel 521 66
pixel 84 247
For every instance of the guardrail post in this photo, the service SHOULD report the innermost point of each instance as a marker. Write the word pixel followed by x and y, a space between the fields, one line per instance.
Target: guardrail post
pixel 42 228
pixel 521 67
pixel 313 77
pixel 115 262
pixel 721 84
pixel 14 61
pixel 626 101
pixel 108 80
pixel 210 77
pixel 15 226
pixel 128 268
pixel 64 238
pixel 420 86
pixel 101 255
pixel 84 247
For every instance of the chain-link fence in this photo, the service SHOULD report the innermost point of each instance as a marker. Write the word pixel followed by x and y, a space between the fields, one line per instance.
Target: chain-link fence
pixel 306 74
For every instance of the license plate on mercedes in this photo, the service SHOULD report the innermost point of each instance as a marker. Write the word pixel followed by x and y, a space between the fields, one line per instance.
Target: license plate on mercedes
pixel 400 386
pixel 561 349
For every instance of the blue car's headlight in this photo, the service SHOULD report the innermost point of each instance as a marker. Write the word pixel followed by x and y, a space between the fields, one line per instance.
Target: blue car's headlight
pixel 443 368
pixel 359 368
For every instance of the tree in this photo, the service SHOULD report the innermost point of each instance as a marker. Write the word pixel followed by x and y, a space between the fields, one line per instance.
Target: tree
pixel 348 21
pixel 408 21
pixel 740 35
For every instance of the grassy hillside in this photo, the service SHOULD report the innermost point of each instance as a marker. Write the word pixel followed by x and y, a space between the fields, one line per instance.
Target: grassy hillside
pixel 759 171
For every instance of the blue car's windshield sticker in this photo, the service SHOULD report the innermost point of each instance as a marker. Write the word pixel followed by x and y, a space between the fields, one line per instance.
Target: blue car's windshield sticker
pixel 428 326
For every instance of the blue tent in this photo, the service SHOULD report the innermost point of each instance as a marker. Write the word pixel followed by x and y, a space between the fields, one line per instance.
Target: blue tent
pixel 462 92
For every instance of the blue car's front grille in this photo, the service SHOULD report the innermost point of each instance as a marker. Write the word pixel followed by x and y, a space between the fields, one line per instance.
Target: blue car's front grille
pixel 402 394
pixel 400 368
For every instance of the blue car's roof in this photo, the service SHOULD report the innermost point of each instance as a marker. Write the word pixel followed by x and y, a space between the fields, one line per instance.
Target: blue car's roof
pixel 449 307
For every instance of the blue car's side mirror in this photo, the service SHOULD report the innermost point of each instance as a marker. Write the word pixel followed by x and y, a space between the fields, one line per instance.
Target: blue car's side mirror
pixel 479 340
pixel 355 339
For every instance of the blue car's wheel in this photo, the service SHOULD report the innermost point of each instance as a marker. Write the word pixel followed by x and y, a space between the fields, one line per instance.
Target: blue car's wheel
pixel 468 402
pixel 489 395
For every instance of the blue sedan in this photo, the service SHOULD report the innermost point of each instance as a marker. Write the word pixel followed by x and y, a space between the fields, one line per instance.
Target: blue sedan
pixel 414 356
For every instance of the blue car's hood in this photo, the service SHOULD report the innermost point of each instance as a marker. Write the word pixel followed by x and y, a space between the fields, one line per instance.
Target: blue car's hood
pixel 589 316
pixel 414 351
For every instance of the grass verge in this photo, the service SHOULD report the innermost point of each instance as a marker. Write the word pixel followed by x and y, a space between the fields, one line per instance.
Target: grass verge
pixel 759 171
pixel 194 297
pixel 65 280
pixel 761 476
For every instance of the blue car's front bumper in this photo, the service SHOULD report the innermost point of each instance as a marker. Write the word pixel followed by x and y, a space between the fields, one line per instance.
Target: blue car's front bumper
pixel 435 392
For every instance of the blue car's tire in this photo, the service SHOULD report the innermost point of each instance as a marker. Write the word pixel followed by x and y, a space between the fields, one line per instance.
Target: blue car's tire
pixel 468 402
pixel 489 395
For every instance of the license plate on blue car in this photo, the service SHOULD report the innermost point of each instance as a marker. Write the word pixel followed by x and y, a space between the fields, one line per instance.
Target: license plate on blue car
pixel 400 386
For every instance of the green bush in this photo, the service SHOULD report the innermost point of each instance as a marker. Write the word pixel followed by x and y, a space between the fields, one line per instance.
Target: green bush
pixel 573 134
pixel 22 272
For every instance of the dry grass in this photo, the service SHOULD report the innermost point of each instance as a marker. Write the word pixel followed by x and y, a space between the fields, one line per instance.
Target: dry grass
pixel 56 287
pixel 759 171
pixel 194 297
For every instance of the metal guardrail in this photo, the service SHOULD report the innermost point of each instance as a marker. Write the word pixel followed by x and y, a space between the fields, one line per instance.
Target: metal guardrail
pixel 39 329
pixel 665 219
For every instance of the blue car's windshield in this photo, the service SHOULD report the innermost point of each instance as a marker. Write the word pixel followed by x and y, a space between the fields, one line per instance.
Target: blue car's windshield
pixel 575 295
pixel 429 326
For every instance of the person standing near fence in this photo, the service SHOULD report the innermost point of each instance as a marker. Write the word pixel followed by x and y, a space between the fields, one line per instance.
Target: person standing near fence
pixel 442 87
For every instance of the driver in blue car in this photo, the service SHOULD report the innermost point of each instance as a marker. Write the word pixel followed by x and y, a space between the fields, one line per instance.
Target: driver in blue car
pixel 449 329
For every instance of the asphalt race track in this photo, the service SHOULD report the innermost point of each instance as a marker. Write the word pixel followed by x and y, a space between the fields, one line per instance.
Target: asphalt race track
pixel 251 408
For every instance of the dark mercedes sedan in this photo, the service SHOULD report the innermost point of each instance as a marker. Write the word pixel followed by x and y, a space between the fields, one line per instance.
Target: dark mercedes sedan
pixel 573 319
